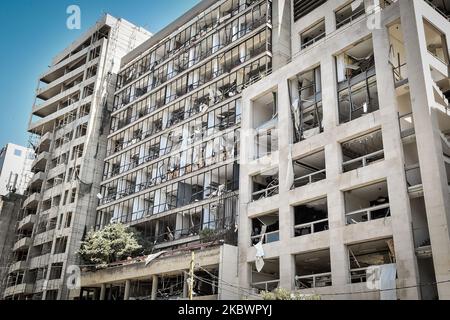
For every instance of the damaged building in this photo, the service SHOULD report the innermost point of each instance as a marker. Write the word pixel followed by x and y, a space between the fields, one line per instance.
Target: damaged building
pixel 171 169
pixel 255 145
pixel 346 195
pixel 67 133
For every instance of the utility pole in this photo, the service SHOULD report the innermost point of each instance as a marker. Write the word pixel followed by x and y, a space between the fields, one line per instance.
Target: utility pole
pixel 191 276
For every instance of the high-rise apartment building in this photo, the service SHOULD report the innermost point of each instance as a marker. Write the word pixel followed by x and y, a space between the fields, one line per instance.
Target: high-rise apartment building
pixel 171 170
pixel 15 168
pixel 69 126
pixel 255 145
pixel 347 183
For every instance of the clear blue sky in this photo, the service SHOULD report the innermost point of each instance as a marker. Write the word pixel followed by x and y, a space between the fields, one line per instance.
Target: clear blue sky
pixel 33 32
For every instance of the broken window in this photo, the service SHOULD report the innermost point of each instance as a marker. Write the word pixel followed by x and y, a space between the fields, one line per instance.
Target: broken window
pixel 60 245
pixel 397 54
pixel 306 104
pixel 436 42
pixel 304 7
pixel 349 13
pixel 311 218
pixel 441 6
pixel 56 271
pixel 309 169
pixel 362 151
pixel 357 84
pixel 265 185
pixel 265 122
pixel 367 254
pixel 313 270
pixel 313 34
pixel 265 229
pixel 367 203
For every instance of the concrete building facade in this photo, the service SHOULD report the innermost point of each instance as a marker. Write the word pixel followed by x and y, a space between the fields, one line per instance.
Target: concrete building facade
pixel 347 181
pixel 296 144
pixel 68 124
pixel 15 168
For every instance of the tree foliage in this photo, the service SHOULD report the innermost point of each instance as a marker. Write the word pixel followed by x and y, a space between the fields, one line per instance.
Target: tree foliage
pixel 111 244
pixel 283 294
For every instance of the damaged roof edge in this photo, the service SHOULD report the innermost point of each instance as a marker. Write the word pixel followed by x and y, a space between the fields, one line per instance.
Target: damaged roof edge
pixel 106 20
pixel 169 29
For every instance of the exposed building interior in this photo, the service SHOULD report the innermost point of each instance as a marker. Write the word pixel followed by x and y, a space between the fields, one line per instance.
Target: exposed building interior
pixel 367 203
pixel 357 83
pixel 313 270
pixel 309 169
pixel 362 151
pixel 311 218
pixel 306 104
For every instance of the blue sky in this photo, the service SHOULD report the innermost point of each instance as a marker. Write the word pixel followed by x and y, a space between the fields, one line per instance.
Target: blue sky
pixel 33 32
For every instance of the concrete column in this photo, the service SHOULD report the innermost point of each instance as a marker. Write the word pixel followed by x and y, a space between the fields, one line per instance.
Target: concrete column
pixel 126 295
pixel 185 285
pixel 102 291
pixel 329 93
pixel 245 197
pixel 154 286
pixel 429 145
pixel 340 268
pixel 393 147
pixel 281 32
pixel 286 215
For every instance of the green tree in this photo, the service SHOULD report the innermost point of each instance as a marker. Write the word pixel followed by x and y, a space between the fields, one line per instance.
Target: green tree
pixel 111 244
pixel 283 294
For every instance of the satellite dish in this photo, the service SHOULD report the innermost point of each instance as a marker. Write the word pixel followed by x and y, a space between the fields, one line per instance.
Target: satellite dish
pixel 99 196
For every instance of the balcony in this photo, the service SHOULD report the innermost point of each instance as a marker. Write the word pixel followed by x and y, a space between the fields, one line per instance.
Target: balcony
pixel 50 106
pixel 27 222
pixel 349 13
pixel 45 141
pixel 18 266
pixel 40 162
pixel 368 254
pixel 313 34
pixel 266 279
pixel 32 201
pixel 362 151
pixel 44 237
pixel 265 185
pixel 441 7
pixel 311 218
pixel 23 288
pixel 407 128
pixel 313 270
pixel 39 261
pixel 309 169
pixel 265 229
pixel 37 180
pixel 22 244
pixel 367 203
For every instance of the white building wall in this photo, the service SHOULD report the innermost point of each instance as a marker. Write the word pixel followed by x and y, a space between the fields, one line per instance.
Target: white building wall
pixel 15 165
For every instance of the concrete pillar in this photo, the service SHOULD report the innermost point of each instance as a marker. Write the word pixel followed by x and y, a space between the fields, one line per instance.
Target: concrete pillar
pixel 185 285
pixel 286 215
pixel 281 33
pixel 429 145
pixel 245 197
pixel 102 291
pixel 154 286
pixel 393 147
pixel 126 295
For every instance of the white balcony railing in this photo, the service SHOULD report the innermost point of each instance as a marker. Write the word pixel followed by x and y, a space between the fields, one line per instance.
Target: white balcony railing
pixel 313 281
pixel 311 227
pixel 368 214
